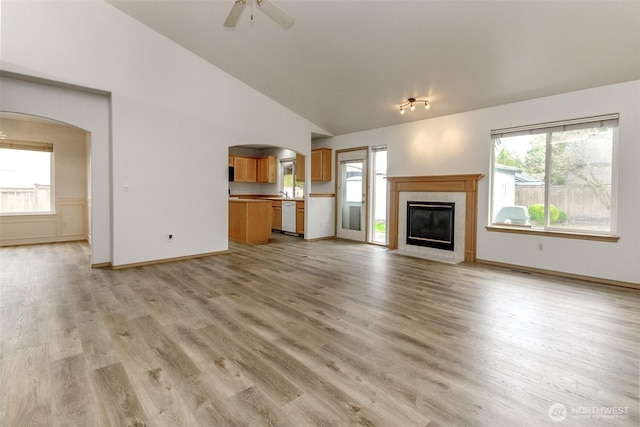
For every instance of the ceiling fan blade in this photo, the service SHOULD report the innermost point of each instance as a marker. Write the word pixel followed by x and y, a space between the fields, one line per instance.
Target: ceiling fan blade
pixel 275 13
pixel 234 14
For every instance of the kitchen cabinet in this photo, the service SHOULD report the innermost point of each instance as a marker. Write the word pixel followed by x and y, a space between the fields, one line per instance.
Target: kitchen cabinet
pixel 254 169
pixel 245 169
pixel 276 215
pixel 267 169
pixel 321 164
pixel 249 220
pixel 300 217
pixel 300 167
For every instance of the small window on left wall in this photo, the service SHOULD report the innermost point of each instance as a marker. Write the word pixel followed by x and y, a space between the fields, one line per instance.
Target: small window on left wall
pixel 26 183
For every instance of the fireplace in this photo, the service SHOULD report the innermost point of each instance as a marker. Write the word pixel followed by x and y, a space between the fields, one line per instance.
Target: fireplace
pixel 450 185
pixel 431 224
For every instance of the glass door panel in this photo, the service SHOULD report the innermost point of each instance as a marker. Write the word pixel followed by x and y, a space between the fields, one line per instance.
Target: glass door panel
pixel 352 196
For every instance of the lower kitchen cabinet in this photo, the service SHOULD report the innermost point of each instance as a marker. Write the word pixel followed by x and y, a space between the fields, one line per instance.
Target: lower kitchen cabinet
pixel 300 217
pixel 276 215
pixel 249 220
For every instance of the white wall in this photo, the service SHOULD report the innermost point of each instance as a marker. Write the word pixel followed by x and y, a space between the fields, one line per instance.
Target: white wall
pixel 460 144
pixel 320 221
pixel 170 122
pixel 88 111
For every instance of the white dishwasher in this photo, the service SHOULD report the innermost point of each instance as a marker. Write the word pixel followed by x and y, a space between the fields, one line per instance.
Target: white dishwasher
pixel 289 216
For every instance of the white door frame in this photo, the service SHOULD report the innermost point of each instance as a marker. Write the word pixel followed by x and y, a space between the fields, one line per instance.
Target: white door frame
pixel 352 155
pixel 376 188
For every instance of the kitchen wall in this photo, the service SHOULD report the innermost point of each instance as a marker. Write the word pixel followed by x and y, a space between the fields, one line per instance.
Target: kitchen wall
pixel 170 122
pixel 460 144
pixel 269 189
pixel 69 222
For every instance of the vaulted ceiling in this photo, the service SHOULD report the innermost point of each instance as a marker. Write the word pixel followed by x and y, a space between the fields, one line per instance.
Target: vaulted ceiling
pixel 346 65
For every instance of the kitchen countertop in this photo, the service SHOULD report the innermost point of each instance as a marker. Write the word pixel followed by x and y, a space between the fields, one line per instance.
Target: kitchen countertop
pixel 231 199
pixel 285 199
pixel 265 197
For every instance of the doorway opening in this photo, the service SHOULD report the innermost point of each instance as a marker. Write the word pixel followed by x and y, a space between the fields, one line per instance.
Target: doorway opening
pixel 45 179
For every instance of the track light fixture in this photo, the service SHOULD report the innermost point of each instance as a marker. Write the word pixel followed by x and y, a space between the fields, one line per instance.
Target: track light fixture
pixel 411 104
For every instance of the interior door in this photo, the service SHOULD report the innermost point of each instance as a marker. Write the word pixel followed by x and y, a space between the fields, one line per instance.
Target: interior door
pixel 352 195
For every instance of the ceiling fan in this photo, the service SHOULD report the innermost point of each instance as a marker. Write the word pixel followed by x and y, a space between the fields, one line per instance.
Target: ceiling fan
pixel 270 9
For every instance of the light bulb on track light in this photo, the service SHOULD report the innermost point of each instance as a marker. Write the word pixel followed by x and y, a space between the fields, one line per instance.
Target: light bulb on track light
pixel 410 102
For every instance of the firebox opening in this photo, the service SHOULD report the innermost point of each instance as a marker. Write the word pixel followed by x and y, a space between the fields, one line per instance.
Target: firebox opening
pixel 431 224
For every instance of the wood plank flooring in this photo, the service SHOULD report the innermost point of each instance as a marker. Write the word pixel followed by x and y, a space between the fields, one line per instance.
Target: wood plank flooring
pixel 296 333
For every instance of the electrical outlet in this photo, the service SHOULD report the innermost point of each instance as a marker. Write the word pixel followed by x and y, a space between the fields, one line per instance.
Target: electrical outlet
pixel 539 246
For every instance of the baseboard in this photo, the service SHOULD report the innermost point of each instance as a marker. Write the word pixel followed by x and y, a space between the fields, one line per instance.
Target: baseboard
pixel 165 260
pixel 42 241
pixel 560 274
pixel 101 265
pixel 315 239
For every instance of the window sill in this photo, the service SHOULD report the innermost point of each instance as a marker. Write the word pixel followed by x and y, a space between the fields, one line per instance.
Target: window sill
pixel 27 215
pixel 547 233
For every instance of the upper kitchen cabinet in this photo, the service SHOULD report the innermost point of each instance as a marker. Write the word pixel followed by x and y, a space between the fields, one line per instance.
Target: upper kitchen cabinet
pixel 267 169
pixel 254 169
pixel 300 167
pixel 321 164
pixel 245 169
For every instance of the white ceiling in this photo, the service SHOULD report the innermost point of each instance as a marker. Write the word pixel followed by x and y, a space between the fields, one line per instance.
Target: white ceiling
pixel 346 65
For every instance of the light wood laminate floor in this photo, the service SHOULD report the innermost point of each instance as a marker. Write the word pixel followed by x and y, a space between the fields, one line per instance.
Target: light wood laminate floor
pixel 296 333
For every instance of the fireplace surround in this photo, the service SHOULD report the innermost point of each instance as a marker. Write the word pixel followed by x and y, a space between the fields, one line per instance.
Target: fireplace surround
pixel 467 184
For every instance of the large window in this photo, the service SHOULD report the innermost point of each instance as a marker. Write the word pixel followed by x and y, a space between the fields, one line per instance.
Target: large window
pixel 556 177
pixel 25 177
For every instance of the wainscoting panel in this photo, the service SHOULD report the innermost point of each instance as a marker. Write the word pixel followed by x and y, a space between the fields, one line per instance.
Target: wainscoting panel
pixel 28 229
pixel 69 223
pixel 72 218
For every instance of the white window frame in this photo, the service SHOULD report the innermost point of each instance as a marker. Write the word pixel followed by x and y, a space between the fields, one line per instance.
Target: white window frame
pixel 37 147
pixel 294 161
pixel 547 128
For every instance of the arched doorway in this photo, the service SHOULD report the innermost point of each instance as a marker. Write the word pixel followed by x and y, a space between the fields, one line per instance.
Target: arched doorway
pixel 44 180
pixel 82 108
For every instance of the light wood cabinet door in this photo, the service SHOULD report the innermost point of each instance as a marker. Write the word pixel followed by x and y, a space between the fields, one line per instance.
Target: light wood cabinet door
pixel 244 169
pixel 300 217
pixel 300 167
pixel 276 216
pixel 252 169
pixel 321 164
pixel 267 167
pixel 240 169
